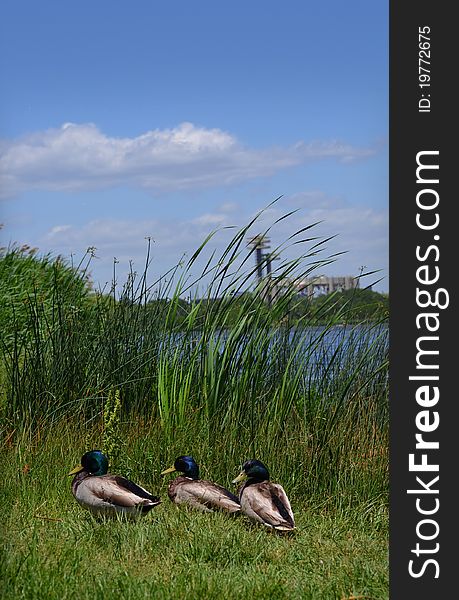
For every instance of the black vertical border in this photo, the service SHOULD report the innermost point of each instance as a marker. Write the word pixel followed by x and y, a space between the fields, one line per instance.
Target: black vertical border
pixel 412 131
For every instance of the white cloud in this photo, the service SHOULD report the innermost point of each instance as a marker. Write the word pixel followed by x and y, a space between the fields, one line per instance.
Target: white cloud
pixel 80 157
pixel 213 220
pixel 59 229
pixel 313 200
pixel 229 207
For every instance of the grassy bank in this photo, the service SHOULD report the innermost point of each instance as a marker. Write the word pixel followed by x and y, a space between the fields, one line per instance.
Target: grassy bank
pixel 54 550
pixel 229 375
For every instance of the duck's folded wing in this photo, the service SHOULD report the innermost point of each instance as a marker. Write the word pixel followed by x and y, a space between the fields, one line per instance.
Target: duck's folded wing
pixel 270 502
pixel 120 491
pixel 208 495
pixel 127 484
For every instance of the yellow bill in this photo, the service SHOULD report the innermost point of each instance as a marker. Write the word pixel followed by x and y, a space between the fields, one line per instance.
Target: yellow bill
pixel 242 475
pixel 76 470
pixel 169 470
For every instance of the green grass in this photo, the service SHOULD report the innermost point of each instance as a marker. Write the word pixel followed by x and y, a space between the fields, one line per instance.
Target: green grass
pixel 146 376
pixel 53 549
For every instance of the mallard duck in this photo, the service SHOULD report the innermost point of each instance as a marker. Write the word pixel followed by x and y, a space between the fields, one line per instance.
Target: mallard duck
pixel 198 493
pixel 105 494
pixel 264 501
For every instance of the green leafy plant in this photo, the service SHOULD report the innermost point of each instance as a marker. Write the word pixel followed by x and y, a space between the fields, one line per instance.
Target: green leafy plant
pixel 112 440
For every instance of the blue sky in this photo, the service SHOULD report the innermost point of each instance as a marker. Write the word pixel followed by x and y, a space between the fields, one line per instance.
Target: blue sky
pixel 120 121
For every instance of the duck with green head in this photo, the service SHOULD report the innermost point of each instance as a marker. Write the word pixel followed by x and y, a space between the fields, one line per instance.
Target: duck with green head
pixel 198 493
pixel 105 494
pixel 264 501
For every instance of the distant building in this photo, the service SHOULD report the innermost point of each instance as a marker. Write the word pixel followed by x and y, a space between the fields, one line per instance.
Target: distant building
pixel 316 286
pixel 309 286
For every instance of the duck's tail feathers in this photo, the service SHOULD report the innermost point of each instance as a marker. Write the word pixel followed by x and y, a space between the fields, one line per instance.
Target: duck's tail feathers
pixel 154 501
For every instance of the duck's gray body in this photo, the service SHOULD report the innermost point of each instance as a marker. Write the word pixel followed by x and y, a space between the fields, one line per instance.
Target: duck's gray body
pixel 203 495
pixel 267 503
pixel 111 495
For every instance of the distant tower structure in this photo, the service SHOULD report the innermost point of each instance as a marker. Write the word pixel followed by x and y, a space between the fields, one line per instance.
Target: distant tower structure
pixel 269 259
pixel 259 243
pixel 270 286
pixel 270 256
